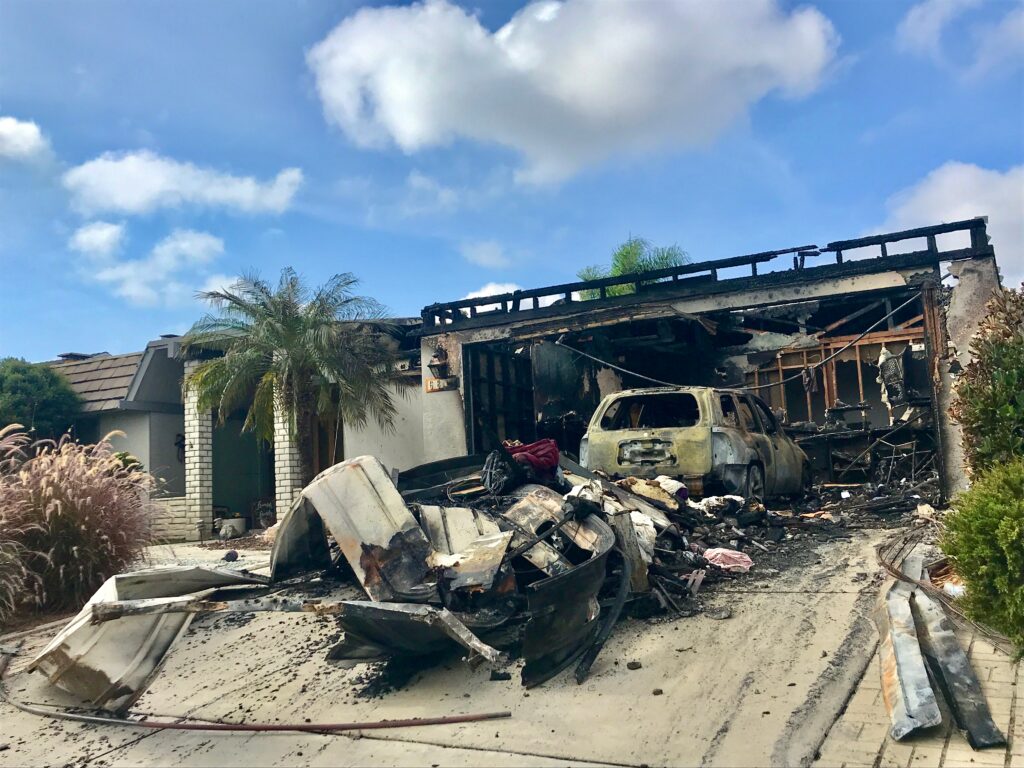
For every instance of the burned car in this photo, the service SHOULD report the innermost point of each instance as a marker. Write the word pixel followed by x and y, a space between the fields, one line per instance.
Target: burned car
pixel 713 440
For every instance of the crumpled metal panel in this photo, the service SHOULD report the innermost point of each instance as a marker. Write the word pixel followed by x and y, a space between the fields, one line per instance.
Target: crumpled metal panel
pixel 377 534
pixel 112 663
pixel 477 565
pixel 452 529
pixel 376 631
pixel 907 693
pixel 564 609
pixel 541 507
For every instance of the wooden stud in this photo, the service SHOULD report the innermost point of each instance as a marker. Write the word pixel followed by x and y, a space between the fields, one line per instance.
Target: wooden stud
pixel 860 373
pixel 807 392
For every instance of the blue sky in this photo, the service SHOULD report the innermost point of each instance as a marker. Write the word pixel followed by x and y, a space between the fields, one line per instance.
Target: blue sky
pixel 150 150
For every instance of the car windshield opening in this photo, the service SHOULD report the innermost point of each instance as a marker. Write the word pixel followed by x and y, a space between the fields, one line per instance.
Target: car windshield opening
pixel 663 411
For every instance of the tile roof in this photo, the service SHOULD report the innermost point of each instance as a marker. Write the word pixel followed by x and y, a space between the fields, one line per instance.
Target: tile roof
pixel 102 380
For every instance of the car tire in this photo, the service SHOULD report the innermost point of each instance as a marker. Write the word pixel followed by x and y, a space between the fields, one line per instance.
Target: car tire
pixel 755 482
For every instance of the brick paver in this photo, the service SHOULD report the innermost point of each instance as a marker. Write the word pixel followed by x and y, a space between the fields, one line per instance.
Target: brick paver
pixel 860 737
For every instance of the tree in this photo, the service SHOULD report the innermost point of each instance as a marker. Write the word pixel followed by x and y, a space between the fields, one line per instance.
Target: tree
pixel 37 397
pixel 989 402
pixel 634 255
pixel 321 353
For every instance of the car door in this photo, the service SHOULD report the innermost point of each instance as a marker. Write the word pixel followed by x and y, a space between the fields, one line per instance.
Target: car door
pixel 788 467
pixel 762 442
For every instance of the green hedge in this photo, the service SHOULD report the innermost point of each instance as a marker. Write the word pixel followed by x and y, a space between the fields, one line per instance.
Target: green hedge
pixel 985 538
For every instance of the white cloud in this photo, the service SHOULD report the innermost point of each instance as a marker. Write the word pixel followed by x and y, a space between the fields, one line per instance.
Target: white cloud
pixel 160 277
pixel 219 282
pixel 956 191
pixel 493 289
pixel 484 253
pixel 993 46
pixel 426 195
pixel 1001 46
pixel 99 240
pixel 920 31
pixel 21 140
pixel 566 84
pixel 140 182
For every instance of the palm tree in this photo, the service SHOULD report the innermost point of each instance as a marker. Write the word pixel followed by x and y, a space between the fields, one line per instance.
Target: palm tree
pixel 322 353
pixel 634 255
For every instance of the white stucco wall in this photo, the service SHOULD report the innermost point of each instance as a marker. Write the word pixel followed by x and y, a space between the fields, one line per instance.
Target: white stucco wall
pixel 401 450
pixel 444 420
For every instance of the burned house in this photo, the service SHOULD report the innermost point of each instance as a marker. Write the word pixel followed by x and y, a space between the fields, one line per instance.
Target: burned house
pixel 854 345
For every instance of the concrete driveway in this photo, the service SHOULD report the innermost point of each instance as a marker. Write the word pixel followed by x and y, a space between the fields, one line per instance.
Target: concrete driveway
pixel 762 687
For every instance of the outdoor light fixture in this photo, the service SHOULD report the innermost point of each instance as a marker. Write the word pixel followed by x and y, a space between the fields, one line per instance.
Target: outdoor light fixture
pixel 438 364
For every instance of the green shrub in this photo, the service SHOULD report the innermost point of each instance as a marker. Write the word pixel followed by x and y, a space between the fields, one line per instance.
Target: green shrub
pixel 36 396
pixel 76 516
pixel 984 536
pixel 989 401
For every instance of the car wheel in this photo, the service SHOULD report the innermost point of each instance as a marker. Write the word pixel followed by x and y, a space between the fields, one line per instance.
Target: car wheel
pixel 755 483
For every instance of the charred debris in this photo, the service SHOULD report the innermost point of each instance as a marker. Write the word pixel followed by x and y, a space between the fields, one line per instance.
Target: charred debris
pixel 521 553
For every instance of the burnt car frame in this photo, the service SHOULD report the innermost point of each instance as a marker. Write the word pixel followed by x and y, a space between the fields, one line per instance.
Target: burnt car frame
pixel 714 440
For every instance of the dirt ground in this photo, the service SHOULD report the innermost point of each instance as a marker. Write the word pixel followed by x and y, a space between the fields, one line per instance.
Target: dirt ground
pixel 762 687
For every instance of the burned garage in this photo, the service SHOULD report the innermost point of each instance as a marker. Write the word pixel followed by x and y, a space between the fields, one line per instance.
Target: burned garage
pixel 851 346
pixel 610 463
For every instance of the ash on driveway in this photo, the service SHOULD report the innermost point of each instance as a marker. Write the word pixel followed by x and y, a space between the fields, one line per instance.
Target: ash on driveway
pixel 763 686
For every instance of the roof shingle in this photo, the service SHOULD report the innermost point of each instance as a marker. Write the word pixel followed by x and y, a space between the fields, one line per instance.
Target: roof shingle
pixel 102 381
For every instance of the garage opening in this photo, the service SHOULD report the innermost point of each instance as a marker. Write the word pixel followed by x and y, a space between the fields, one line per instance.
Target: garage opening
pixel 838 373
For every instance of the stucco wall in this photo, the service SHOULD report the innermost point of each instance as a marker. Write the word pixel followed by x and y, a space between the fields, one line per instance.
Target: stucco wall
pixel 402 450
pixel 164 428
pixel 444 421
pixel 135 426
pixel 977 279
pixel 162 382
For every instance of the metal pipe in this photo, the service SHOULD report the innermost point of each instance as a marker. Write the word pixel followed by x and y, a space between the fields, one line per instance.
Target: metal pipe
pixel 252 727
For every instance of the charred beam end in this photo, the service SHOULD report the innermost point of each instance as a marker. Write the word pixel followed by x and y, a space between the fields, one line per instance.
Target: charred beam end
pixel 975 225
pixel 952 671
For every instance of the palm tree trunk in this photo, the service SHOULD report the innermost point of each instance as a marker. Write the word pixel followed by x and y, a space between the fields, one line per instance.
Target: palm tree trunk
pixel 304 436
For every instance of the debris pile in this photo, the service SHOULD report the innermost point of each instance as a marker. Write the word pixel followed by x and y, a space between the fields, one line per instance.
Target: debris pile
pixel 521 554
pixel 518 554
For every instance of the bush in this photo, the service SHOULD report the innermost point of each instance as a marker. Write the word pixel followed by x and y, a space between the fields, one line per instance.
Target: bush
pixel 984 536
pixel 77 516
pixel 990 394
pixel 13 572
pixel 36 396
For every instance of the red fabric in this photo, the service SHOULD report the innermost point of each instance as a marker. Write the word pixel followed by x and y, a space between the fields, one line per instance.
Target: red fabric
pixel 541 455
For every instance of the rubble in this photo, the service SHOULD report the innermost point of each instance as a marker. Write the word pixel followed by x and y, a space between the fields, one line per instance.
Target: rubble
pixel 503 557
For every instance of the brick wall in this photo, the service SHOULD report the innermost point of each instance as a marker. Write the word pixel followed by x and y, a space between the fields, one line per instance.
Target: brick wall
pixel 171 521
pixel 287 466
pixel 198 464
